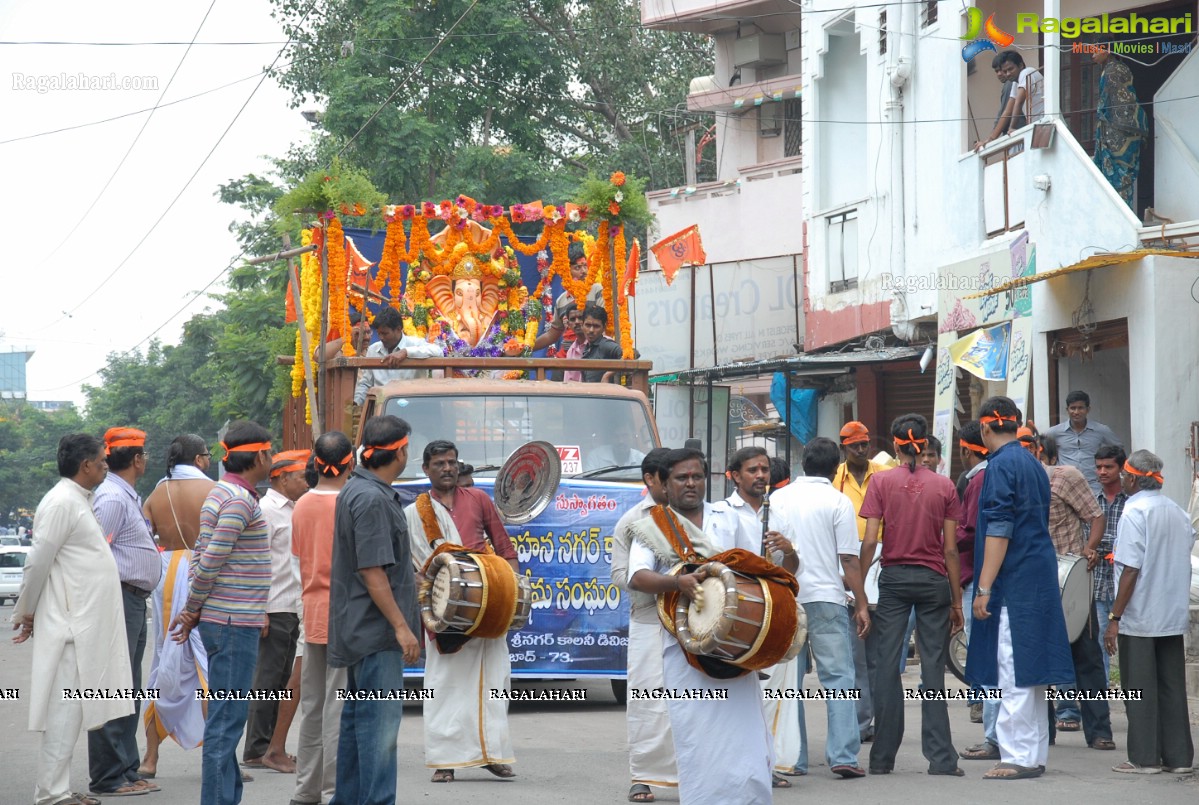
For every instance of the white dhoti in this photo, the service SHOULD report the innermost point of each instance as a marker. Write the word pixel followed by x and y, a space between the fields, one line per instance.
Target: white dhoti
pixel 782 712
pixel 723 747
pixel 651 747
pixel 1022 727
pixel 464 725
pixel 177 670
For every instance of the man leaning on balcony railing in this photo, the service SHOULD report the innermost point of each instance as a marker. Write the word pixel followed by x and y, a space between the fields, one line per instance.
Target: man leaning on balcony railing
pixel 1027 99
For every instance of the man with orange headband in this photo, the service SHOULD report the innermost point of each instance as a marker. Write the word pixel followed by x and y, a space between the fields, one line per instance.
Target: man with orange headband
pixel 231 581
pixel 277 645
pixel 1018 636
pixel 852 480
pixel 372 611
pixel 312 543
pixel 920 574
pixel 112 751
pixel 1149 618
pixel 973 454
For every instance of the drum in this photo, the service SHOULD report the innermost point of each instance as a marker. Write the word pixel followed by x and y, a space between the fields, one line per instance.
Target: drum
pixel 1075 582
pixel 731 619
pixel 473 594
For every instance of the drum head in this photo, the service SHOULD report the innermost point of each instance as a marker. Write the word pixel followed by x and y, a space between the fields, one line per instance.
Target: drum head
pixel 440 594
pixel 1075 583
pixel 704 618
pixel 957 655
pixel 527 482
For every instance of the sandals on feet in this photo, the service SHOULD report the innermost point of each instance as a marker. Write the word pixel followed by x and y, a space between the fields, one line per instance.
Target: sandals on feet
pixel 501 770
pixel 1018 772
pixel 443 776
pixel 1128 767
pixel 1068 726
pixel 640 792
pixel 778 781
pixel 1103 743
pixel 983 751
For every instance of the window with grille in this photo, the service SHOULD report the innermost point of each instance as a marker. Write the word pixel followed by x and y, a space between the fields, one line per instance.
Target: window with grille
pixel 842 250
pixel 882 31
pixel 928 14
pixel 792 128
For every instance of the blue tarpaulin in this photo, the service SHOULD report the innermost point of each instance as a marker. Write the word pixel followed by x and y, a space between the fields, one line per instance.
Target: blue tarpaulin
pixel 803 410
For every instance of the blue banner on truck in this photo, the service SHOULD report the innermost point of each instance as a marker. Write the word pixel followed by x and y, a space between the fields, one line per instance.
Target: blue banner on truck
pixel 579 624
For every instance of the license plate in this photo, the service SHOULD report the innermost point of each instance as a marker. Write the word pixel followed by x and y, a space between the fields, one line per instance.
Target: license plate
pixel 11 577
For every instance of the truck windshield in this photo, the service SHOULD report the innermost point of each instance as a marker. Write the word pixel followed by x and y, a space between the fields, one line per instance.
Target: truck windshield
pixel 590 432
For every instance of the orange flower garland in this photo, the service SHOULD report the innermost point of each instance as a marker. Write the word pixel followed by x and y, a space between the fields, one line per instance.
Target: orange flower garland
pixel 601 262
pixel 626 331
pixel 338 303
pixel 389 262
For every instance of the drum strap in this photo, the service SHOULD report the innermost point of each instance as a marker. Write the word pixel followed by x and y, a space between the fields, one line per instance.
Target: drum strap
pixel 670 527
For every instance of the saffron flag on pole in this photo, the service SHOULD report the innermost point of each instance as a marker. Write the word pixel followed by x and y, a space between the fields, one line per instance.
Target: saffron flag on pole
pixel 628 287
pixel 680 249
pixel 984 353
pixel 289 309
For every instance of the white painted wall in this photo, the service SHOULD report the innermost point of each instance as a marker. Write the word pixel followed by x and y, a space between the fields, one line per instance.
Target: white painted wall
pixel 1176 143
pixel 842 97
pixel 1163 325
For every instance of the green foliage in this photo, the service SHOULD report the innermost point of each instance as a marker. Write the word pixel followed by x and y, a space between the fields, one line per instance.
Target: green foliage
pixel 597 194
pixel 28 454
pixel 338 188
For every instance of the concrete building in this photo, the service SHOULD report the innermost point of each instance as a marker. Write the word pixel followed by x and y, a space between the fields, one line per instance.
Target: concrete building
pixel 896 221
pixel 12 373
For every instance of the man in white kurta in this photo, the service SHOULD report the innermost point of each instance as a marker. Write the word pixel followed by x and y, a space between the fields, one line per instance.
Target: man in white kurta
pixel 464 726
pixel 71 604
pixel 651 747
pixel 722 746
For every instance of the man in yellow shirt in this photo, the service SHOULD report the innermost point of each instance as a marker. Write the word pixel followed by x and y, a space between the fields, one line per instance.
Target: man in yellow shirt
pixel 852 479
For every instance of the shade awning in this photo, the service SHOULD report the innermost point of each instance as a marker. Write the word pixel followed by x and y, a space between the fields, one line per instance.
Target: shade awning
pixel 1094 261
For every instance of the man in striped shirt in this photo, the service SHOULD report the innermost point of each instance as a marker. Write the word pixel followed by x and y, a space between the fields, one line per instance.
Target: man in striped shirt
pixel 231 578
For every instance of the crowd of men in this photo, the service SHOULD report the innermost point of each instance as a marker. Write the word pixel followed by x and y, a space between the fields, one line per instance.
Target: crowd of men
pixel 310 588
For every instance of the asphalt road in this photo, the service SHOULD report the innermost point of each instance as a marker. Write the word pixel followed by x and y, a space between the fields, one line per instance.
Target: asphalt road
pixel 574 752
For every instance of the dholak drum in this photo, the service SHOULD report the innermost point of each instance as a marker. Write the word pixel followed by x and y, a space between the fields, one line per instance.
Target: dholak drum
pixel 1075 582
pixel 474 594
pixel 730 619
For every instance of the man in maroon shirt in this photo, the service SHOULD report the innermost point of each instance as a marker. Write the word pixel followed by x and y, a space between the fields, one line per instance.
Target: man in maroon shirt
pixel 920 572
pixel 465 726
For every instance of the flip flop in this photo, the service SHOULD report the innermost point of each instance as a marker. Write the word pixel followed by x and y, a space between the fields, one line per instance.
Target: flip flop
pixel 1103 743
pixel 793 772
pixel 79 799
pixel 640 792
pixel 127 790
pixel 245 778
pixel 1068 726
pixel 146 785
pixel 147 775
pixel 1128 767
pixel 776 782
pixel 1022 772
pixel 947 773
pixel 502 770
pixel 983 751
pixel 443 776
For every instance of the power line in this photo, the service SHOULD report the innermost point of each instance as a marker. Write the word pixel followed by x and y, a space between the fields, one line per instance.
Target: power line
pixel 121 164
pixel 191 178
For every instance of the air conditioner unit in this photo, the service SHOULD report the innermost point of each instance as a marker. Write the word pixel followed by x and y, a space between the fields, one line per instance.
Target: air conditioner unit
pixel 759 50
pixel 770 120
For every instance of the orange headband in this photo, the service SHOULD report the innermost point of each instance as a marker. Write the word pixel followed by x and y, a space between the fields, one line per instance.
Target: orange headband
pixel 370 451
pixel 252 447
pixel 334 467
pixel 1157 476
pixel 987 420
pixel 781 484
pixel 913 441
pixel 977 448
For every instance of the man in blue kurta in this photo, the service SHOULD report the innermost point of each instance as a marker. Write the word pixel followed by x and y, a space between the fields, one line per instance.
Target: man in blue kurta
pixel 1018 641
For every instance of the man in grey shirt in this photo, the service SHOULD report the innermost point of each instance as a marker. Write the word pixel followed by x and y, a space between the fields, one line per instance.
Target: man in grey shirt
pixel 372 613
pixel 1079 438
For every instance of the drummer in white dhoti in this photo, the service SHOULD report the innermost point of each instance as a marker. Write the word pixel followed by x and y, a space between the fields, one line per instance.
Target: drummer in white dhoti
pixel 71 597
pixel 177 670
pixel 749 470
pixel 651 747
pixel 721 745
pixel 464 726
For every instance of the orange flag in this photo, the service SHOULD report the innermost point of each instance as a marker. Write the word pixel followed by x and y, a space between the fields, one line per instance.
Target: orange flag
pixel 289 311
pixel 680 249
pixel 631 271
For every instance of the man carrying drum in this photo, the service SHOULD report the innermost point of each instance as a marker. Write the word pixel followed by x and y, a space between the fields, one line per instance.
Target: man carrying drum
pixel 1018 636
pixel 651 747
pixel 722 745
pixel 464 726
pixel 1071 504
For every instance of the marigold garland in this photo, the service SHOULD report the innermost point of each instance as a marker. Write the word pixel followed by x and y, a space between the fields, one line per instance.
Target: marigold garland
pixel 602 263
pixel 339 319
pixel 626 330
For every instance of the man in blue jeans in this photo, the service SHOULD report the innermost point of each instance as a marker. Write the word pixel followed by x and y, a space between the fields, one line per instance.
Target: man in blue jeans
pixel 824 526
pixel 372 601
pixel 231 577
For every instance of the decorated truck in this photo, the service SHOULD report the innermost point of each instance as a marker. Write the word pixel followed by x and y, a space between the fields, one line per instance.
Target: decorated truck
pixel 483 294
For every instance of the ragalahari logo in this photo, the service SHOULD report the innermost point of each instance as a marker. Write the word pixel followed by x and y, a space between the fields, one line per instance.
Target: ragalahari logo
pixel 982 36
